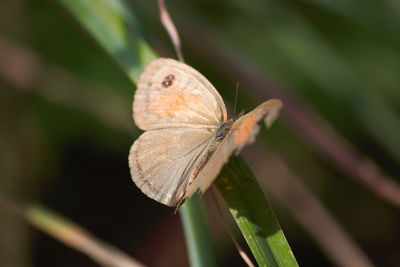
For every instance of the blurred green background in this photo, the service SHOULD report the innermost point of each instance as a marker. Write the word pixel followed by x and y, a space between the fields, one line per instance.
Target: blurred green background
pixel 66 125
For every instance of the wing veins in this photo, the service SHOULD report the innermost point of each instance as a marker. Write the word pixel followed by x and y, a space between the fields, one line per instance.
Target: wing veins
pixel 169 166
pixel 188 167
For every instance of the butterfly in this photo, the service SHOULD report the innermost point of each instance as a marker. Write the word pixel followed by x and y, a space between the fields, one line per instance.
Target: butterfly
pixel 188 137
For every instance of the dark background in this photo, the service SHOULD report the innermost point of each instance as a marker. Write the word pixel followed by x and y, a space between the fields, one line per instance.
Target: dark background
pixel 66 125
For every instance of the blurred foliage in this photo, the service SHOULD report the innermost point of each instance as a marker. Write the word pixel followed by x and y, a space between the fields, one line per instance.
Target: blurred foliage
pixel 341 58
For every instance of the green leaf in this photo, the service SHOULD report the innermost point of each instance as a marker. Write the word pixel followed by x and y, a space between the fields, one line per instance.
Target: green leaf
pixel 196 233
pixel 254 216
pixel 114 27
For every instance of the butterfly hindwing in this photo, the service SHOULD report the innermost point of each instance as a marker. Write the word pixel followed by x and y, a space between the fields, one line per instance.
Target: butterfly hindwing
pixel 162 161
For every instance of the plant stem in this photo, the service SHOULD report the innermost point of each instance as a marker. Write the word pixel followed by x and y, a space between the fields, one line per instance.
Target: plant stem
pixel 197 237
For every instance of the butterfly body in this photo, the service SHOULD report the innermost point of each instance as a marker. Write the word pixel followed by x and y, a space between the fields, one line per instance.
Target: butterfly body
pixel 187 136
pixel 223 130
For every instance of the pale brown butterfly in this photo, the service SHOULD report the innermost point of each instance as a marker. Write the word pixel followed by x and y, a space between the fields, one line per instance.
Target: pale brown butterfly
pixel 187 137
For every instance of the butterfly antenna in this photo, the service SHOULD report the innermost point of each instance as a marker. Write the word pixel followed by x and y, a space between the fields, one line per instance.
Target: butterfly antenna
pixel 236 94
pixel 242 254
pixel 171 29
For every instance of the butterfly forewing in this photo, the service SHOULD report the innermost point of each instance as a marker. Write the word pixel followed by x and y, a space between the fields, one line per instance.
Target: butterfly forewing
pixel 242 132
pixel 172 94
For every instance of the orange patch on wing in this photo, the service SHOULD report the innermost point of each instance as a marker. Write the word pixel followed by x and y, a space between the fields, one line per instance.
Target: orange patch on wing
pixel 244 130
pixel 175 102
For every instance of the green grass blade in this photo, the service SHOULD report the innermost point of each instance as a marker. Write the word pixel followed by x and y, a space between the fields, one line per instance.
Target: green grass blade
pixel 198 241
pixel 71 234
pixel 113 25
pixel 254 216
